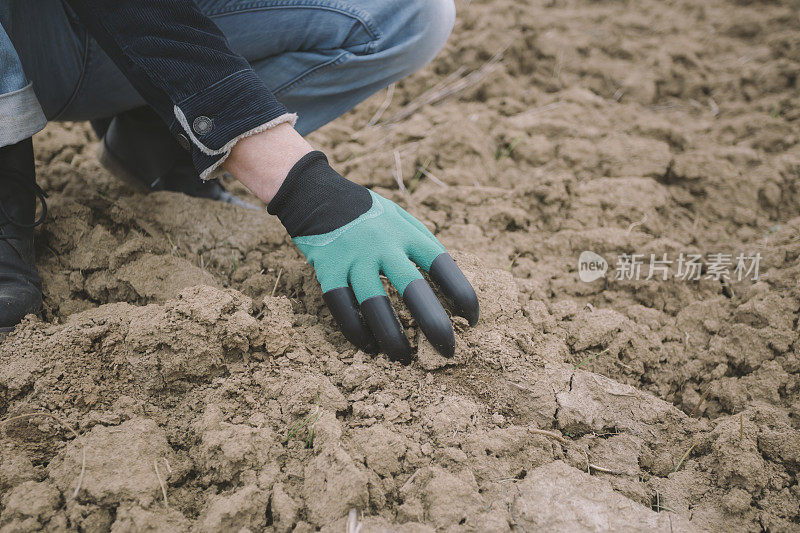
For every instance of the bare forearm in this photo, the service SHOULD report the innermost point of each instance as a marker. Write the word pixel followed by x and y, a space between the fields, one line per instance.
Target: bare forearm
pixel 262 161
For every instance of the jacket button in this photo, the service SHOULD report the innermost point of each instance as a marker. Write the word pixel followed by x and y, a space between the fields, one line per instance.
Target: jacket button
pixel 202 125
pixel 183 140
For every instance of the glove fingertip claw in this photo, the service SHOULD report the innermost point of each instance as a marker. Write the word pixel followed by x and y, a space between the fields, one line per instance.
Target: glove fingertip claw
pixel 400 352
pixel 388 331
pixel 344 308
pixel 431 316
pixel 445 273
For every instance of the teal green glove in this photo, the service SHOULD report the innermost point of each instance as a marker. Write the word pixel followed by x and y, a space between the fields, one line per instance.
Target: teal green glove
pixel 384 239
pixel 351 235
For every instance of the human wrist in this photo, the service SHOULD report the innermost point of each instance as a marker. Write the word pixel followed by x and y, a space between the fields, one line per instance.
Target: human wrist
pixel 315 199
pixel 262 161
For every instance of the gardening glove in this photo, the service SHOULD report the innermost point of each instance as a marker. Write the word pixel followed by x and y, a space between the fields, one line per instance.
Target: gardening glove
pixel 350 235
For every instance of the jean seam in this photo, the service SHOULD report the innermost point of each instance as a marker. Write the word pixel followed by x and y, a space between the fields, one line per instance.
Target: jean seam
pixel 358 14
pixel 310 73
pixel 85 60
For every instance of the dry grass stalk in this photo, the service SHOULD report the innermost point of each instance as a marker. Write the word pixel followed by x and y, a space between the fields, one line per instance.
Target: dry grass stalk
pixel 384 106
pixel 353 523
pixel 161 482
pixel 275 287
pixel 445 82
pixel 520 387
pixel 417 103
pixel 605 470
pixel 590 358
pixel 658 507
pixel 451 85
pixel 398 173
pixel 550 434
pixel 702 399
pixel 714 107
pixel 382 146
pixel 433 178
pixel 537 110
pixel 684 456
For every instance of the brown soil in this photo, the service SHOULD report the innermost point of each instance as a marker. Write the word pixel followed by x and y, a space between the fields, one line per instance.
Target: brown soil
pixel 188 345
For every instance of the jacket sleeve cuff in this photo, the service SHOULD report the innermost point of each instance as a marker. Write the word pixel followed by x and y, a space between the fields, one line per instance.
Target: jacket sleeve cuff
pixel 207 164
pixel 211 122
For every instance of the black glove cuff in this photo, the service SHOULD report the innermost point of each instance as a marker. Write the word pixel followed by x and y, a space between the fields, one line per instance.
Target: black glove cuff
pixel 315 199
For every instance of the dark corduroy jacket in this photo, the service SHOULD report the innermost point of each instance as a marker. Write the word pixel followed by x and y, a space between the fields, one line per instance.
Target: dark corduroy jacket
pixel 181 64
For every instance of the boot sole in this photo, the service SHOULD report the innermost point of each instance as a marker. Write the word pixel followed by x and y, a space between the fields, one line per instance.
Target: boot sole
pixel 111 163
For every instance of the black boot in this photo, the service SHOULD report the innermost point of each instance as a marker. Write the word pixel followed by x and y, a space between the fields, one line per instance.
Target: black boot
pixel 20 284
pixel 137 147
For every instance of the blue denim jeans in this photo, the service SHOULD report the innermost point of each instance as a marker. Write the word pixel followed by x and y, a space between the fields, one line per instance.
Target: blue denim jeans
pixel 20 113
pixel 12 77
pixel 319 57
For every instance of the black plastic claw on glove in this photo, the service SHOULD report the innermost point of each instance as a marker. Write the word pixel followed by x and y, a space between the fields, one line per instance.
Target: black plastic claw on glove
pixel 431 316
pixel 344 308
pixel 383 323
pixel 380 327
pixel 462 298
